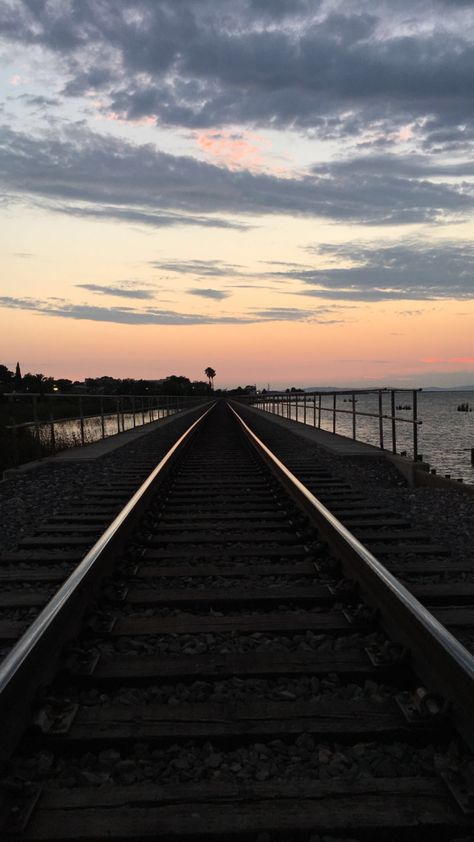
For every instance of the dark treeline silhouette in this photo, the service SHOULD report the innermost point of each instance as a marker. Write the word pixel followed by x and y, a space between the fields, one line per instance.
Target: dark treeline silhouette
pixel 38 383
pixel 174 384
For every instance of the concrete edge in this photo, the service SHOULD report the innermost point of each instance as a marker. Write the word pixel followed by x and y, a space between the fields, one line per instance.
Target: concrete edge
pixel 434 481
pixel 418 475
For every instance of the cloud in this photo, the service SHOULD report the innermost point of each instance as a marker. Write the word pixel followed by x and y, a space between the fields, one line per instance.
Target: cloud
pixel 39 101
pixel 119 315
pixel 344 68
pixel 294 314
pixel 216 294
pixel 154 316
pixel 120 291
pixel 212 268
pixel 469 360
pixel 144 217
pixel 235 150
pixel 399 271
pixel 83 173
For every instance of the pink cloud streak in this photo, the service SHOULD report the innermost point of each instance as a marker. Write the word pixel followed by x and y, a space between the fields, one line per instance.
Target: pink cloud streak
pixel 237 151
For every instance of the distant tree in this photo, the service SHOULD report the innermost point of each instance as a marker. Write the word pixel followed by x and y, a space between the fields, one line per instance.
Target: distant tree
pixel 37 383
pixel 102 385
pixel 200 387
pixel 18 378
pixel 176 385
pixel 6 379
pixel 63 384
pixel 210 374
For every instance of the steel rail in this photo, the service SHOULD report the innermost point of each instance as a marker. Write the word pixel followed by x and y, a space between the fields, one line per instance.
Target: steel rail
pixel 437 656
pixel 18 682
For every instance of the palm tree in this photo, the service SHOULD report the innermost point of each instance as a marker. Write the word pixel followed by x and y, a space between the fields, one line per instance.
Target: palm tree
pixel 210 374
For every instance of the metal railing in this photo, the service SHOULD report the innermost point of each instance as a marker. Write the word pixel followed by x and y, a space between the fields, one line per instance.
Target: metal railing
pixel 58 421
pixel 314 408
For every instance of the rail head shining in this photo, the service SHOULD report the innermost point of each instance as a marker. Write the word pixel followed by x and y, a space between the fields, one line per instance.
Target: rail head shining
pixel 437 655
pixel 15 666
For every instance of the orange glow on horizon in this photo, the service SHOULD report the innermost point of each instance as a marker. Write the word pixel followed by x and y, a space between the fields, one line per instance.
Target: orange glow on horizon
pixel 291 353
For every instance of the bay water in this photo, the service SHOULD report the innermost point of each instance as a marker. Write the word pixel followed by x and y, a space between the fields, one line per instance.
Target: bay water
pixel 445 436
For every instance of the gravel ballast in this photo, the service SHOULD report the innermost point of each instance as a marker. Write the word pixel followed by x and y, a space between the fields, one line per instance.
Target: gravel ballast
pixel 30 497
pixel 277 760
pixel 446 514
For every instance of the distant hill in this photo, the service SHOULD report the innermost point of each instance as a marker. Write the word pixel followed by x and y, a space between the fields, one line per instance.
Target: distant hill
pixel 327 388
pixel 425 388
pixel 448 388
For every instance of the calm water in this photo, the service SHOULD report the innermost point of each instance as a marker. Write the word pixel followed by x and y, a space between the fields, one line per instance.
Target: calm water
pixel 445 437
pixel 68 433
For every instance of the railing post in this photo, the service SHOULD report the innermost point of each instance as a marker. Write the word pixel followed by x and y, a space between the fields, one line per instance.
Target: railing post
pixel 334 412
pixel 122 404
pixel 118 415
pixel 319 411
pixel 415 425
pixel 381 419
pixel 394 430
pixel 142 401
pixel 353 416
pixel 296 406
pixel 16 449
pixel 51 426
pixel 102 419
pixel 81 419
pixel 37 427
pixel 133 410
pixel 304 409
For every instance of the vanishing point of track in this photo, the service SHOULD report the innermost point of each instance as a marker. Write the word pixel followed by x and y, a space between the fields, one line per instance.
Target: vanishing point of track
pixel 228 661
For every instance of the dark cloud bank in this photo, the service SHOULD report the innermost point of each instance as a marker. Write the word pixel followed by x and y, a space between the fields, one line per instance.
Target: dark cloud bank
pixel 85 174
pixel 358 73
pixel 334 69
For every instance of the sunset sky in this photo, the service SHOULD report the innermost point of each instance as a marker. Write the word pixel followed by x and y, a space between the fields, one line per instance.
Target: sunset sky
pixel 279 189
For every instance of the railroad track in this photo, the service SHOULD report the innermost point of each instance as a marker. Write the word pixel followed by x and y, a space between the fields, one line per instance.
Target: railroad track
pixel 224 669
pixel 440 579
